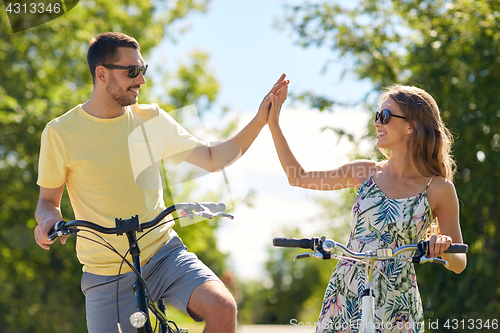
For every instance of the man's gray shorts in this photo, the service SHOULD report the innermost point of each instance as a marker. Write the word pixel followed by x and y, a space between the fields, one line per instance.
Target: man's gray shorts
pixel 172 274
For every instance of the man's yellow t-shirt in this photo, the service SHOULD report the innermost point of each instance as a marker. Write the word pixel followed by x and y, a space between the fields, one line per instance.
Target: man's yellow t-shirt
pixel 108 166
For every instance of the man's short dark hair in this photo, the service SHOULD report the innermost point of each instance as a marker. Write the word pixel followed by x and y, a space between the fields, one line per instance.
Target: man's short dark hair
pixel 104 49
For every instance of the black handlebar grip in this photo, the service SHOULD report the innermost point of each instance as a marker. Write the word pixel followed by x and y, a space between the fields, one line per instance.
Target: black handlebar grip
pixel 305 243
pixel 214 206
pixel 457 248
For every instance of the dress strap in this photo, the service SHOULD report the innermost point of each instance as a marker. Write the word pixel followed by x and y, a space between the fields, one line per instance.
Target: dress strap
pixel 373 170
pixel 429 183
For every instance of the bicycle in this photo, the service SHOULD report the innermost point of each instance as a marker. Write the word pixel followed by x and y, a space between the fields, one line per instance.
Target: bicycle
pixel 130 227
pixel 323 249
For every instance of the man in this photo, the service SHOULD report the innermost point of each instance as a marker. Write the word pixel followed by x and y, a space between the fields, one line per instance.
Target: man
pixel 88 149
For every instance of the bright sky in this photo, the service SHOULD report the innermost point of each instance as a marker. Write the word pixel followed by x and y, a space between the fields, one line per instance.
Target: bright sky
pixel 247 55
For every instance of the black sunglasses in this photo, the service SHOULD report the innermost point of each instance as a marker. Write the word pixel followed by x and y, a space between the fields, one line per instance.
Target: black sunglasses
pixel 385 115
pixel 133 71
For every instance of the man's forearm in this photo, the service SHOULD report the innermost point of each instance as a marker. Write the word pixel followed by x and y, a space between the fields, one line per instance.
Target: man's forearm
pixel 219 156
pixel 48 212
pixel 227 152
pixel 46 209
pixel 244 138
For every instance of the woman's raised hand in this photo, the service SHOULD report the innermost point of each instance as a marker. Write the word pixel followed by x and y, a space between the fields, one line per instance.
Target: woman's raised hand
pixel 277 101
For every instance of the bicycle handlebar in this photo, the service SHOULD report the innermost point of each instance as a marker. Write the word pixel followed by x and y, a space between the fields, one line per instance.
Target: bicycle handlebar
pixel 304 243
pixel 204 209
pixel 454 248
pixel 323 247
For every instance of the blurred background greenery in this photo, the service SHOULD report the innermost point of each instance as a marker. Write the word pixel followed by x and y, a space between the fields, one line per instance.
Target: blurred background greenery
pixel 449 48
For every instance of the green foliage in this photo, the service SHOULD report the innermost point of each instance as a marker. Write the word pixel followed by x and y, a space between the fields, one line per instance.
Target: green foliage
pixel 450 49
pixel 195 83
pixel 44 73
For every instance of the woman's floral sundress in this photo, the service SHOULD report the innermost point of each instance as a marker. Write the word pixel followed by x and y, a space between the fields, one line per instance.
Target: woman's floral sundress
pixel 379 222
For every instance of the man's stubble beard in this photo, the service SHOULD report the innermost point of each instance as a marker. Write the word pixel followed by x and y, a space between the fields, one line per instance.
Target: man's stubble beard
pixel 117 94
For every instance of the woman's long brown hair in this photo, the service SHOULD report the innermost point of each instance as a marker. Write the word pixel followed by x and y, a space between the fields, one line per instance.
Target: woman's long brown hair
pixel 429 147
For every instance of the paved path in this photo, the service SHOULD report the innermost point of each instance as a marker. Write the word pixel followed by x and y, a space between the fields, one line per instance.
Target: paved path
pixel 198 328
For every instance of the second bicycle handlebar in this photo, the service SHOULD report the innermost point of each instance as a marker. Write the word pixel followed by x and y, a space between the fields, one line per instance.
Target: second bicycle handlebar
pixel 204 209
pixel 324 247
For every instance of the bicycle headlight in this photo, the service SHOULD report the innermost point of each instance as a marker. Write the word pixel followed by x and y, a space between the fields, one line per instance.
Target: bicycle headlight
pixel 138 319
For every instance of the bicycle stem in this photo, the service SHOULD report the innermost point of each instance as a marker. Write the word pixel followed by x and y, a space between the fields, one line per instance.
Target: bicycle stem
pixel 369 270
pixel 139 290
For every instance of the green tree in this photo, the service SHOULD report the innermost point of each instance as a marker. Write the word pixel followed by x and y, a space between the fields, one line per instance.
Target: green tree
pixel 44 74
pixel 450 49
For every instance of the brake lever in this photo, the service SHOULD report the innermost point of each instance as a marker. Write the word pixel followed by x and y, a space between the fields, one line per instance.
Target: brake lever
pixel 53 236
pixel 223 214
pixel 206 213
pixel 317 255
pixel 424 260
pixel 61 233
pixel 55 232
pixel 209 215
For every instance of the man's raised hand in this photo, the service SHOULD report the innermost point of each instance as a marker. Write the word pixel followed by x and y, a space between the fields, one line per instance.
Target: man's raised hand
pixel 265 106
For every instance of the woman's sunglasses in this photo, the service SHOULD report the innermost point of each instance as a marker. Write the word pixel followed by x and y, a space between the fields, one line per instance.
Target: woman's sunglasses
pixel 385 115
pixel 133 71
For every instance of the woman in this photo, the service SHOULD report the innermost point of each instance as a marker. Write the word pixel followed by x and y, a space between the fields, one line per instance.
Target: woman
pixel 397 201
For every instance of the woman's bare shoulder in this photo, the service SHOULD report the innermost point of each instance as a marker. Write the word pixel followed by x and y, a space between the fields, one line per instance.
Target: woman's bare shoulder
pixel 365 163
pixel 361 169
pixel 442 192
pixel 442 186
